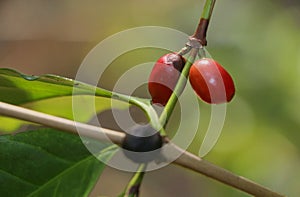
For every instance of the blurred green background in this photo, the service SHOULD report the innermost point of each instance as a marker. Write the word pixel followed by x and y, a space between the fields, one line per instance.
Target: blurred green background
pixel 257 41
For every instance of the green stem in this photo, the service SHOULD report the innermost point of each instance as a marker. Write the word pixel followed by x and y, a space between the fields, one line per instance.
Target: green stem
pixel 200 33
pixel 165 116
pixel 208 8
pixel 141 103
pixel 199 37
pixel 133 186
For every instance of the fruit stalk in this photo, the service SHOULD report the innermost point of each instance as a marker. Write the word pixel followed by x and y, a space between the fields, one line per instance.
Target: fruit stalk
pixel 200 37
pixel 133 186
pixel 164 118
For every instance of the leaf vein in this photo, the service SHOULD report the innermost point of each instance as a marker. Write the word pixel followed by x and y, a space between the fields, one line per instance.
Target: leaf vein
pixel 43 150
pixel 19 178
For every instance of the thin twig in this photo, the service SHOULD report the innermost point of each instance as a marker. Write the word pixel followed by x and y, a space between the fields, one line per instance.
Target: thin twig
pixel 206 168
pixel 186 159
pixel 168 109
pixel 98 133
pixel 200 33
pixel 133 187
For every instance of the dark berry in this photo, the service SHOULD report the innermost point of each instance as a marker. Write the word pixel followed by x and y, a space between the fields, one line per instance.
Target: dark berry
pixel 142 143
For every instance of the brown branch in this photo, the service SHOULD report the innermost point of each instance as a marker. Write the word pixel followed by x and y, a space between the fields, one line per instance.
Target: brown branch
pixel 206 168
pixel 200 33
pixel 98 133
pixel 186 159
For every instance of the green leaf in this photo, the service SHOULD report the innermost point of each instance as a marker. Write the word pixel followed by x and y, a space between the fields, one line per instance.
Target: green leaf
pixel 56 95
pixel 47 162
pixel 17 88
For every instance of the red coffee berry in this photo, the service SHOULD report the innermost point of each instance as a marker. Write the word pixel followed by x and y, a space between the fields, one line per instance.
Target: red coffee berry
pixel 164 76
pixel 211 81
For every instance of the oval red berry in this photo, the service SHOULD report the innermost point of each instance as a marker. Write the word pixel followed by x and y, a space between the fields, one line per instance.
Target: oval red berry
pixel 211 81
pixel 164 76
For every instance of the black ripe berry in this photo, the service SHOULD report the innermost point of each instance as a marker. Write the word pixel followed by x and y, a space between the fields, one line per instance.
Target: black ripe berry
pixel 142 143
